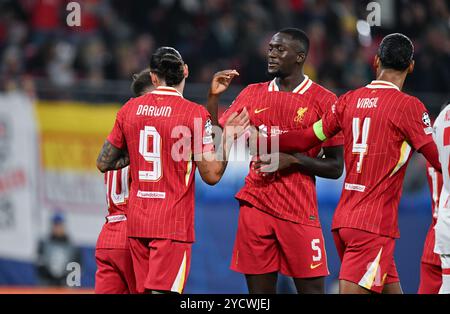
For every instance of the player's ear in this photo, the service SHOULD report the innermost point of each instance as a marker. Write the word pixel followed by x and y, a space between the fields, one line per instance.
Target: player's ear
pixel 301 57
pixel 155 79
pixel 376 62
pixel 186 71
pixel 411 66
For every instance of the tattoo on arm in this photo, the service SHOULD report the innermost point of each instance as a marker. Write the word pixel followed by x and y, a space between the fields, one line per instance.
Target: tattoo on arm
pixel 112 158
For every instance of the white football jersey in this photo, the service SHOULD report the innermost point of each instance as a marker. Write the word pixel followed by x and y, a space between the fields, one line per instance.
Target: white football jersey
pixel 441 136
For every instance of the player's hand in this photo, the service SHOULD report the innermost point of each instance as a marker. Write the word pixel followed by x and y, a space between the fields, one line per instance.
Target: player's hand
pixel 237 124
pixel 274 162
pixel 221 81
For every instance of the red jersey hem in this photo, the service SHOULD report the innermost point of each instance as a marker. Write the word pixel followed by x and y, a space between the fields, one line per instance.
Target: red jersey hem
pixel 273 213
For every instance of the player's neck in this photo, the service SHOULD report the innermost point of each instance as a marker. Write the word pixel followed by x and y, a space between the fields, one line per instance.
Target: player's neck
pixel 289 83
pixel 395 77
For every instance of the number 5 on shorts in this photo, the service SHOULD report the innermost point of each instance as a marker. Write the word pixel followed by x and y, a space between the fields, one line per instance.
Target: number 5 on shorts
pixel 316 248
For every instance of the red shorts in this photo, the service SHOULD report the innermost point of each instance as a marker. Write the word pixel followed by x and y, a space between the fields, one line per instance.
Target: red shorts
pixel 160 264
pixel 430 278
pixel 266 244
pixel 367 259
pixel 115 273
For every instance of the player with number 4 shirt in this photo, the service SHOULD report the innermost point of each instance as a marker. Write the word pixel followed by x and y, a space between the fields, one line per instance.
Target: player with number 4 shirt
pixel 382 126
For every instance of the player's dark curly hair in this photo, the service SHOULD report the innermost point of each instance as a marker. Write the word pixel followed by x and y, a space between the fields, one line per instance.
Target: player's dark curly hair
pixel 141 82
pixel 396 52
pixel 167 63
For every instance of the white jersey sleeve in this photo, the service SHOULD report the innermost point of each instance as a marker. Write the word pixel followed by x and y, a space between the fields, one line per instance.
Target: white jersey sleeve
pixel 441 136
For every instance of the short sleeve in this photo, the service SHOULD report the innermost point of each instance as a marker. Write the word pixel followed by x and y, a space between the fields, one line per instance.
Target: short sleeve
pixel 415 123
pixel 117 137
pixel 205 142
pixel 331 121
pixel 327 103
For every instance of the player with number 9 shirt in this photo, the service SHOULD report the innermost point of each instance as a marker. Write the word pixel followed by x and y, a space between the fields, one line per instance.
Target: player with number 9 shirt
pixel 382 126
pixel 164 138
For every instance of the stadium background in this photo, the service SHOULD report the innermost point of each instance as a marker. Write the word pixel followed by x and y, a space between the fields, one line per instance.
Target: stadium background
pixel 61 87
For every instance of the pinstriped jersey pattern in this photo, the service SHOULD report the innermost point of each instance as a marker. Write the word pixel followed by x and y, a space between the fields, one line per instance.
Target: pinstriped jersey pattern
pixel 162 206
pixel 288 194
pixel 374 174
pixel 114 234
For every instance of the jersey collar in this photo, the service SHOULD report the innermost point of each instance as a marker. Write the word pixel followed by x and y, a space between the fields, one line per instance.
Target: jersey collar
pixel 382 84
pixel 166 90
pixel 300 89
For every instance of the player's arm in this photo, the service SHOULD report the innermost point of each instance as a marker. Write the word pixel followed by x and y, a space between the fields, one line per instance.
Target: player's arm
pixel 431 154
pixel 302 140
pixel 298 140
pixel 212 164
pixel 219 84
pixel 112 158
pixel 330 165
pixel 415 124
pixel 114 153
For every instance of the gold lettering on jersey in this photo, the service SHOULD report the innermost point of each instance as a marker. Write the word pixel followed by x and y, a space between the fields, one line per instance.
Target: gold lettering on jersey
pixel 367 103
pixel 154 111
pixel 300 114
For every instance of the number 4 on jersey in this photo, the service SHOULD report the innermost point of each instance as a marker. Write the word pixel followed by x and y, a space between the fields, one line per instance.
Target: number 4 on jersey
pixel 362 147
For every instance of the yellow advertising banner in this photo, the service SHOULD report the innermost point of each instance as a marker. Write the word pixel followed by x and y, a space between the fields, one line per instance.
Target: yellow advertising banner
pixel 73 133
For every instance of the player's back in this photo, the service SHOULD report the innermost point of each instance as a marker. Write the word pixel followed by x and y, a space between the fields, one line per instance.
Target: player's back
pixel 381 126
pixel 113 233
pixel 162 170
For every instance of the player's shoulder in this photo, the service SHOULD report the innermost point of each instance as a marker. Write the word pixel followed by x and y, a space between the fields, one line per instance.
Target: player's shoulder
pixel 444 115
pixel 406 100
pixel 194 107
pixel 256 87
pixel 318 89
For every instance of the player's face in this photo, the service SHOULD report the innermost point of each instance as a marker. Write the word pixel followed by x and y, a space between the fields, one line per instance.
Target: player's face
pixel 282 56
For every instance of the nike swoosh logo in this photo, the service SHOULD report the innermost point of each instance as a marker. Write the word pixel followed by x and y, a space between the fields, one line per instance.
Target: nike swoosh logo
pixel 312 266
pixel 261 110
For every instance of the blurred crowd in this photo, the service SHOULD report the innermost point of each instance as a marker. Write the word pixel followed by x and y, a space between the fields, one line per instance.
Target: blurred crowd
pixel 116 38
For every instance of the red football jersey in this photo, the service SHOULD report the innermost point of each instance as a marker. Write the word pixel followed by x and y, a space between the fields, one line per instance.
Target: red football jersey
pixel 162 131
pixel 381 126
pixel 289 194
pixel 114 232
pixel 435 184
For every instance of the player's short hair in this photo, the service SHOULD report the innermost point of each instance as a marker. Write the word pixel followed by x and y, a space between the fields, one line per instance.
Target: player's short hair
pixel 396 52
pixel 167 63
pixel 141 82
pixel 298 35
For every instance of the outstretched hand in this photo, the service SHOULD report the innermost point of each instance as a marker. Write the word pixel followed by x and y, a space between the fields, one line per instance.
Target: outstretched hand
pixel 221 81
pixel 237 124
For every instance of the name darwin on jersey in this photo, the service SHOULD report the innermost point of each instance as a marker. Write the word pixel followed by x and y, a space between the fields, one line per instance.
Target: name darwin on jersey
pixel 154 111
